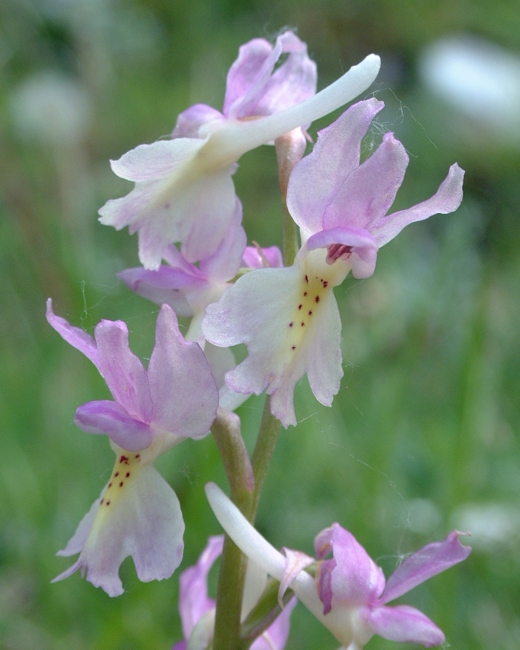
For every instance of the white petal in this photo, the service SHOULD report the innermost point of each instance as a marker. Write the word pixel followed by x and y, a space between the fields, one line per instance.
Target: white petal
pixel 139 516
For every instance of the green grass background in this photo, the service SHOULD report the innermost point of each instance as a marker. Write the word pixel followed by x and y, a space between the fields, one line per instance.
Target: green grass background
pixel 424 432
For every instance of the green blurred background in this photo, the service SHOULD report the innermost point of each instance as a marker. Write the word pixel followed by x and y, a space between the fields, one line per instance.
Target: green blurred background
pixel 422 437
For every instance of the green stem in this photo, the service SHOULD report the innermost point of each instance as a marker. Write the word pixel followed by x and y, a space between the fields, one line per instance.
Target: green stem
pixel 227 435
pixel 263 452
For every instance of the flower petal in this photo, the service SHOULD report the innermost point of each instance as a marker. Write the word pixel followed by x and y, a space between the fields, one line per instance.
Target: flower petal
pixel 122 370
pixel 291 83
pixel 77 337
pixel 149 162
pixel 251 312
pixel 194 600
pixel 250 71
pixel 77 541
pixel 145 522
pixel 425 563
pixel 161 286
pixel 447 199
pixel 368 192
pixel 337 151
pixel 112 419
pixel 183 389
pixel 252 87
pixel 225 262
pixel 404 624
pixel 296 561
pixel 362 247
pixel 286 317
pixel 255 258
pixel 356 580
pixel 276 635
pixel 195 211
pixel 189 121
pixel 221 360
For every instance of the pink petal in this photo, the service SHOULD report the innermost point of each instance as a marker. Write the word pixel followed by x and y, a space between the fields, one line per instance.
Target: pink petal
pixel 252 88
pixel 368 192
pixel 77 337
pixel 337 151
pixel 447 199
pixel 404 624
pixel 425 563
pixel 356 580
pixel 324 583
pixel 363 247
pixel 189 121
pixel 123 371
pixel 110 418
pixel 264 258
pixel 254 64
pixel 194 601
pixel 161 286
pixel 183 389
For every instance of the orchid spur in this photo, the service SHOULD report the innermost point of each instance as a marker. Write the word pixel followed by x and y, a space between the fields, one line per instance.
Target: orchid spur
pixel 138 513
pixel 349 594
pixel 197 608
pixel 184 191
pixel 288 318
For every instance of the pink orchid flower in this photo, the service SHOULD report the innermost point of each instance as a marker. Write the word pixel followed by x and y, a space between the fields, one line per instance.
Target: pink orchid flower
pixel 349 594
pixel 138 513
pixel 289 318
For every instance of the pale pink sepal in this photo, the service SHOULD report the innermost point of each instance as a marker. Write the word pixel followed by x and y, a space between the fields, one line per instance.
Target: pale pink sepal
pixel 403 624
pixel 424 564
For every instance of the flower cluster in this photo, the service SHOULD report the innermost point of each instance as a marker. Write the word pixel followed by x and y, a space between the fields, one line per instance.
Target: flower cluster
pixel 196 264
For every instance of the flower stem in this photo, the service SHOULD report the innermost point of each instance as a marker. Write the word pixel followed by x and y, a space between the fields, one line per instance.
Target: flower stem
pixel 263 452
pixel 245 494
pixel 227 435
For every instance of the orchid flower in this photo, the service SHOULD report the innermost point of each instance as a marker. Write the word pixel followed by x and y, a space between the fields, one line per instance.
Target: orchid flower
pixel 288 318
pixel 138 513
pixel 184 191
pixel 349 594
pixel 197 609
